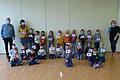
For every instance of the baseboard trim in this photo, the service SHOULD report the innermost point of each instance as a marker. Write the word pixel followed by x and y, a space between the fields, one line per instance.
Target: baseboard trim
pixel 2 53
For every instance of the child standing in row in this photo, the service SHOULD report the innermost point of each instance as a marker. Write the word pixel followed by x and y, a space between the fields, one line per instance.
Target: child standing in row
pixel 50 38
pixel 97 39
pixel 43 40
pixel 31 37
pixel 59 38
pixel 73 39
pixel 89 37
pixel 23 30
pixel 37 39
pixel 66 38
pixel 82 38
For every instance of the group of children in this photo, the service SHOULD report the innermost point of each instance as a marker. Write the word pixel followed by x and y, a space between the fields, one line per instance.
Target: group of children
pixel 67 47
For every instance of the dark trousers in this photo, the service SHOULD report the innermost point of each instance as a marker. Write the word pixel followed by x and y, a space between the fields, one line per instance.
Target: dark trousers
pixel 113 44
pixel 69 63
pixel 97 45
pixel 37 47
pixel 52 56
pixel 79 55
pixel 30 44
pixel 83 46
pixel 6 42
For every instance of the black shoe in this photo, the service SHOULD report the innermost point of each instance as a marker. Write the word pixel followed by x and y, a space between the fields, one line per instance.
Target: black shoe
pixel 8 58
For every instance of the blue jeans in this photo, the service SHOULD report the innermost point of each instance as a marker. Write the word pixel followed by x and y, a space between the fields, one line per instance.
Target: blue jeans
pixel 16 62
pixel 52 56
pixel 74 46
pixel 24 56
pixel 95 61
pixel 58 54
pixel 69 63
pixel 79 56
pixel 32 62
pixel 24 41
pixel 41 57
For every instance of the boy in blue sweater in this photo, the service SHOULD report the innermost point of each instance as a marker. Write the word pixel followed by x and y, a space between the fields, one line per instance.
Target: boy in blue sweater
pixel 97 39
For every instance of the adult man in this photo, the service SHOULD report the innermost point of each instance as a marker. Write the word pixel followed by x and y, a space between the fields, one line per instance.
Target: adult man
pixel 8 34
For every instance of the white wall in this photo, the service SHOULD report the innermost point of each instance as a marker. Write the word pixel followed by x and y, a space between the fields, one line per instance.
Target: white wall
pixel 118 19
pixel 60 14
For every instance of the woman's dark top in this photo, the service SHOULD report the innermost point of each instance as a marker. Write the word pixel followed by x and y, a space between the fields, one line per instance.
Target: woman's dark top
pixel 113 31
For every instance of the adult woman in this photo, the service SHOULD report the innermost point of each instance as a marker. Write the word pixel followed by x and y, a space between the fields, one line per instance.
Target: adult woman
pixel 23 30
pixel 114 32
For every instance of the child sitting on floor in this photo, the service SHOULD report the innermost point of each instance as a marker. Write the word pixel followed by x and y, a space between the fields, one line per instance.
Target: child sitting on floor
pixel 88 49
pixel 101 51
pixel 32 59
pixel 79 52
pixel 95 60
pixel 23 53
pixel 59 51
pixel 15 59
pixel 35 47
pixel 41 53
pixel 52 52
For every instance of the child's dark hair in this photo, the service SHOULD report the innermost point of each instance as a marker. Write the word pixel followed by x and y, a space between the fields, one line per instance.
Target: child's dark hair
pixel 31 29
pixel 82 30
pixel 37 32
pixel 94 49
pixel 59 31
pixel 89 31
pixel 13 44
pixel 22 21
pixel 97 30
pixel 43 32
pixel 51 32
pixel 74 30
pixel 58 45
